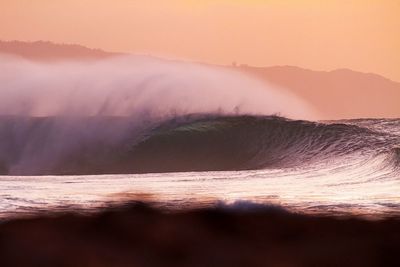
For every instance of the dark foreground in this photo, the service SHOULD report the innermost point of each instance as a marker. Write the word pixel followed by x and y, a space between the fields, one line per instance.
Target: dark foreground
pixel 137 235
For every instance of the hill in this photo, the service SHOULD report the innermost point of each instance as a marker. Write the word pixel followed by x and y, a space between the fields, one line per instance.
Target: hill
pixel 48 51
pixel 337 94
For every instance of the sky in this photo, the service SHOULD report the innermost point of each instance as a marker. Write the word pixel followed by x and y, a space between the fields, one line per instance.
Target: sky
pixel 362 35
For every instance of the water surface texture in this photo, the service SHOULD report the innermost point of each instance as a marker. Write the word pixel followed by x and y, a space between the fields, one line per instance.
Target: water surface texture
pixel 335 167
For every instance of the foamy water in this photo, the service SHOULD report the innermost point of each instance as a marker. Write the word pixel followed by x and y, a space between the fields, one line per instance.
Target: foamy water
pixel 364 182
pixel 323 192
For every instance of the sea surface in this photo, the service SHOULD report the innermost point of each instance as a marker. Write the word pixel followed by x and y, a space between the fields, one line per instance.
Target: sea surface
pixel 348 167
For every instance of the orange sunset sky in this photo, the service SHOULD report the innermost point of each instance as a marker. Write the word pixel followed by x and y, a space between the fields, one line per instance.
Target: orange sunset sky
pixel 362 35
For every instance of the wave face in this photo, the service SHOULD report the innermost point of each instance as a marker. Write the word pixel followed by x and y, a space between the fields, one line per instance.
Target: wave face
pixel 104 145
pixel 258 142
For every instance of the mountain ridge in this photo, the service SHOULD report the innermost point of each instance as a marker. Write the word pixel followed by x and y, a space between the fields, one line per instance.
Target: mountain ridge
pixel 49 51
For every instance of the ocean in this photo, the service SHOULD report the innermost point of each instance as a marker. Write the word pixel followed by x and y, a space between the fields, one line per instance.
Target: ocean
pixel 347 167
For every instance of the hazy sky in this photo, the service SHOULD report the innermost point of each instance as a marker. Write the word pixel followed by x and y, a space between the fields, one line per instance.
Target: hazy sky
pixel 362 35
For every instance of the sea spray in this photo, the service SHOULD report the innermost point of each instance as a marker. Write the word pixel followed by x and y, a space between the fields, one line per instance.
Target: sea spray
pixel 88 115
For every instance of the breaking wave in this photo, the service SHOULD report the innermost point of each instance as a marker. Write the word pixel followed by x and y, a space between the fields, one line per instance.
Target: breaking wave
pixel 137 115
pixel 197 142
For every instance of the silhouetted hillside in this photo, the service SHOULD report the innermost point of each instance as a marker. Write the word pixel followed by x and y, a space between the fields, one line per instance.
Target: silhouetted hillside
pixel 337 94
pixel 48 51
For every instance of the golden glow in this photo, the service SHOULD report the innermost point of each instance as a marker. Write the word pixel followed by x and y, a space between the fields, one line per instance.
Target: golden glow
pixel 362 35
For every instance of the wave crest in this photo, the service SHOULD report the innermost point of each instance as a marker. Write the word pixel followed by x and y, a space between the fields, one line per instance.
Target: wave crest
pixel 95 145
